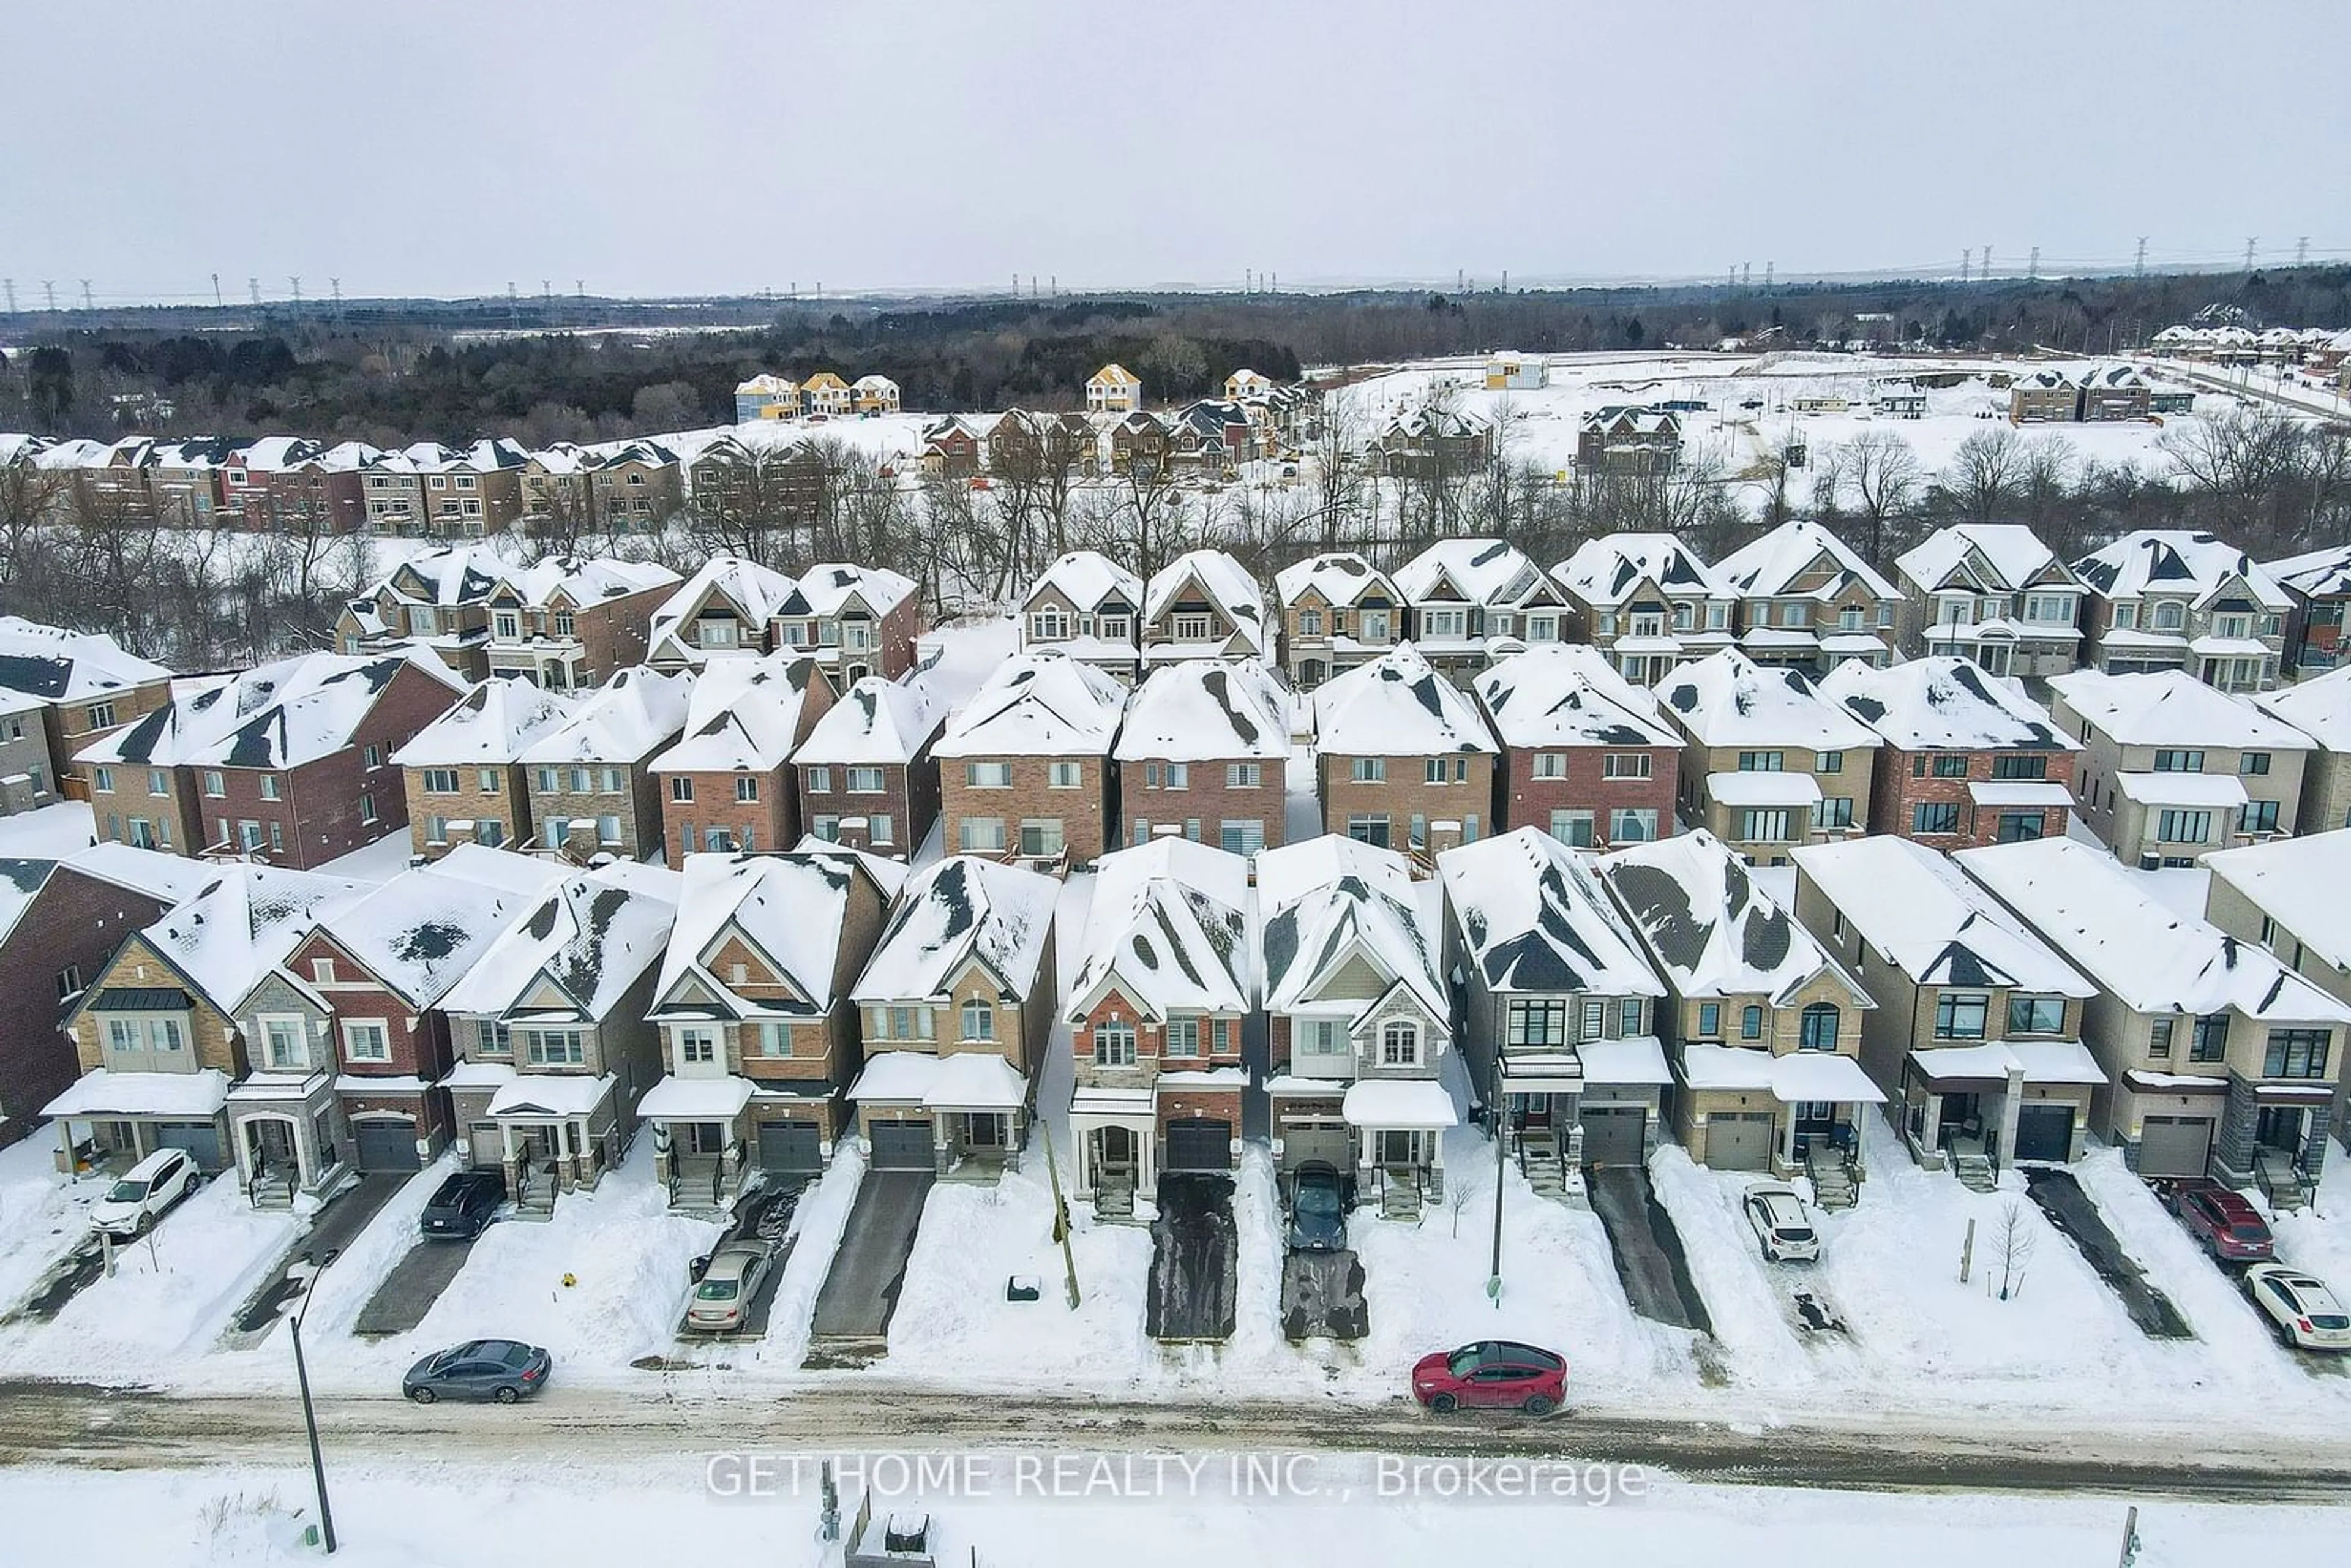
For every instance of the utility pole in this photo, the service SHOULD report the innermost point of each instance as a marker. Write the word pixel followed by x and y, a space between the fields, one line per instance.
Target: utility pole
pixel 1061 1215
pixel 309 1413
pixel 1498 1121
pixel 2138 268
pixel 218 303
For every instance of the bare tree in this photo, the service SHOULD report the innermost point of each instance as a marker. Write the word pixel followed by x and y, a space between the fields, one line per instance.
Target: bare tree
pixel 2011 1246
pixel 1985 473
pixel 1882 473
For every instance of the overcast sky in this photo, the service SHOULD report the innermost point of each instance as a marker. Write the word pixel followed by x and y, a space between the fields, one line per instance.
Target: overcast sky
pixel 683 146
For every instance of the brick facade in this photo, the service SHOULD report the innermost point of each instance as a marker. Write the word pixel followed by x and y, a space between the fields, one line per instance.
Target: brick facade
pixel 714 804
pixel 1205 802
pixel 909 797
pixel 508 805
pixel 1087 813
pixel 1528 801
pixel 57 947
pixel 1406 793
pixel 1898 787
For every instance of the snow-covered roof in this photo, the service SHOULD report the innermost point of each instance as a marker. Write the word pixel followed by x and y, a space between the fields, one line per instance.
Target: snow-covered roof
pixel 590 936
pixel 1087 579
pixel 2299 883
pixel 1709 927
pixel 1207 710
pixel 1567 694
pixel 1474 571
pixel 1608 569
pixel 1168 924
pixel 2148 955
pixel 582 579
pixel 421 932
pixel 2171 708
pixel 877 722
pixel 1324 899
pixel 1771 565
pixel 1042 703
pixel 958 912
pixel 1396 705
pixel 493 724
pixel 965 1081
pixel 58 666
pixel 1728 699
pixel 443 577
pixel 2319 707
pixel 1228 584
pixel 2177 560
pixel 1944 703
pixel 743 714
pixel 1912 904
pixel 166 877
pixel 102 1092
pixel 827 588
pixel 2010 556
pixel 1340 577
pixel 1534 917
pixel 280 715
pixel 550 1094
pixel 242 924
pixel 1421 1105
pixel 621 721
pixel 792 907
pixel 754 592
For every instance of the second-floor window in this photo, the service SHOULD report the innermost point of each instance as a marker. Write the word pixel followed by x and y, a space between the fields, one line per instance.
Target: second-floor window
pixel 1959 1016
pixel 2248 762
pixel 507 625
pixel 2295 1054
pixel 1537 1022
pixel 1762 761
pixel 1048 626
pixel 978 1019
pixel 1113 1045
pixel 2019 764
pixel 1400 1045
pixel 986 774
pixel 1064 775
pixel 1363 770
pixel 2036 1015
pixel 746 789
pixel 2179 762
pixel 284 1043
pixel 1310 622
pixel 366 1039
pixel 1193 628
pixel 681 790
pixel 697 1046
pixel 866 781
pixel 441 781
pixel 269 785
pixel 555 1047
pixel 1625 765
pixel 2210 1042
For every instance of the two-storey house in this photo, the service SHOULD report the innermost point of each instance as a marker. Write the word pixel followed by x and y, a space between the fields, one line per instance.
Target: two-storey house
pixel 1113 389
pixel 1991 592
pixel 724 611
pixel 2319 707
pixel 758 1035
pixel 853 621
pixel 1967 757
pixel 1402 759
pixel 2288 897
pixel 1586 755
pixel 1767 762
pixel 636 487
pixel 1469 601
pixel 957 1005
pixel 1646 601
pixel 90 683
pixel 437 600
pixel 1807 599
pixel 1204 604
pixel 463 774
pixel 569 621
pixel 2318 585
pixel 1203 753
pixel 292 484
pixel 1025 769
pixel 1088 606
pixel 865 773
pixel 2175 599
pixel 1338 611
pixel 726 784
pixel 592 789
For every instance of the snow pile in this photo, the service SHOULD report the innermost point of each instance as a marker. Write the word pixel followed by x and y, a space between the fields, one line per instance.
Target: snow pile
pixel 819 1220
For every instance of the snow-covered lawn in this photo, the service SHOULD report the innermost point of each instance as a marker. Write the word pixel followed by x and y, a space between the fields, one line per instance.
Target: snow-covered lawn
pixel 2319 1237
pixel 42 1213
pixel 48 833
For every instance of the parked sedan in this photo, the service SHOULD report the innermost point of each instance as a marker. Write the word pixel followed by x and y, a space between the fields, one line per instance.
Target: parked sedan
pixel 144 1193
pixel 2305 1311
pixel 1496 1372
pixel 1782 1225
pixel 463 1206
pixel 505 1370
pixel 721 1299
pixel 1318 1209
pixel 2222 1222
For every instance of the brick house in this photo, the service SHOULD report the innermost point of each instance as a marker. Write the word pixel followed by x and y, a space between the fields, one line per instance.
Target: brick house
pixel 724 611
pixel 1402 758
pixel 292 482
pixel 194 1036
pixel 2320 708
pixel 2045 397
pixel 758 1035
pixel 1647 601
pixel 380 965
pixel 1160 1000
pixel 428 490
pixel 1762 1026
pixel 1585 755
pixel 568 622
pixel 592 791
pixel 1204 753
pixel 2218 1060
pixel 1557 1008
pixel 1087 606
pixel 1991 592
pixel 1357 1025
pixel 2178 599
pixel 60 923
pixel 29 776
pixel 741 488
pixel 91 686
pixel 2171 768
pixel 1806 598
pixel 865 773
pixel 1629 440
pixel 554 1051
pixel 1767 761
pixel 1469 601
pixel 183 480
pixel 1967 758
pixel 951 447
pixel 726 784
pixel 853 621
pixel 2114 391
pixel 437 600
pixel 957 1004
pixel 2318 584
pixel 1977 1037
pixel 635 488
pixel 1337 611
pixel 463 774
pixel 1204 604
pixel 1025 769
pixel 290 762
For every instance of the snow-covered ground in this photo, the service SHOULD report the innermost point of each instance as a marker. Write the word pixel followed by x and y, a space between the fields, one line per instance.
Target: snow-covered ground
pixel 43 1215
pixel 49 833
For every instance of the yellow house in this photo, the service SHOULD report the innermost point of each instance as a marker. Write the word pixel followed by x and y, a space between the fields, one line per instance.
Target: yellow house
pixel 826 395
pixel 1113 389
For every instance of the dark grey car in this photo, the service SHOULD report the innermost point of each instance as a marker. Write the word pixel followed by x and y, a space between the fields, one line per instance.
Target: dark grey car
pixel 1318 1209
pixel 505 1370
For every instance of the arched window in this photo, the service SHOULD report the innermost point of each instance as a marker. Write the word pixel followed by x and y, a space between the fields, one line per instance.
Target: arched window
pixel 1400 1045
pixel 1820 1028
pixel 978 1018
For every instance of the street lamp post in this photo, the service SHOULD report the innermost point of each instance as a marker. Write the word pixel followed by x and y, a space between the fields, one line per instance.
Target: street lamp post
pixel 310 1413
pixel 1498 1122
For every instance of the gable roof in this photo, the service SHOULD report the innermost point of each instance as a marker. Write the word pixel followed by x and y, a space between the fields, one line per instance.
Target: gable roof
pixel 277 715
pixel 826 588
pixel 1042 703
pixel 1396 705
pixel 1926 918
pixel 621 721
pixel 582 579
pixel 591 934
pixel 1225 581
pixel 2012 554
pixel 1710 928
pixel 1087 578
pixel 1168 924
pixel 792 907
pixel 754 591
pixel 420 933
pixel 58 666
pixel 2171 708
pixel 2320 708
pixel 1605 570
pixel 1767 567
pixel 1483 571
pixel 2178 560
pixel 877 722
pixel 2314 574
pixel 1532 917
pixel 242 924
pixel 1728 699
pixel 961 911
pixel 2299 883
pixel 1343 578
pixel 443 577
pixel 1206 709
pixel 1568 694
pixel 1324 898
pixel 495 723
pixel 1944 703
pixel 742 715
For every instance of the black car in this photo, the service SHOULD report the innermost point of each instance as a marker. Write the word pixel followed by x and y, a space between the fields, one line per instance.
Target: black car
pixel 505 1370
pixel 464 1206
pixel 1318 1209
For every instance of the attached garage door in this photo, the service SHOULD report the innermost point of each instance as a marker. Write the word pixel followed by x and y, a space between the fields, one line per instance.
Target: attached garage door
pixel 794 1146
pixel 2044 1131
pixel 1611 1134
pixel 489 1146
pixel 1199 1146
pixel 2173 1146
pixel 201 1139
pixel 901 1146
pixel 1735 1140
pixel 1334 1146
pixel 387 1145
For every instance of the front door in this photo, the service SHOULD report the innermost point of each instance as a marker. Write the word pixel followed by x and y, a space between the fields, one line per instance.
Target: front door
pixel 705 1137
pixel 1115 1150
pixel 983 1130
pixel 273 1146
pixel 2280 1127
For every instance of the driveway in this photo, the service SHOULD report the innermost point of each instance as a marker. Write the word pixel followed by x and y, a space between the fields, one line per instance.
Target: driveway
pixel 415 1283
pixel 767 1212
pixel 1322 1297
pixel 1195 1260
pixel 1647 1247
pixel 336 1226
pixel 861 1292
pixel 2069 1209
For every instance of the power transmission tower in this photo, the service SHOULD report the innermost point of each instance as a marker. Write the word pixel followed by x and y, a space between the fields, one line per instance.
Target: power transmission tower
pixel 2248 251
pixel 49 286
pixel 1746 275
pixel 2302 251
pixel 10 285
pixel 546 292
pixel 2138 269
pixel 1965 257
pixel 579 287
pixel 1986 263
pixel 294 281
pixel 336 284
pixel 1768 268
pixel 255 285
pixel 2033 268
pixel 84 295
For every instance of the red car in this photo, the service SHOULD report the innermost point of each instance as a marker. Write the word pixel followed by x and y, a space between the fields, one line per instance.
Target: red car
pixel 1495 1372
pixel 2225 1225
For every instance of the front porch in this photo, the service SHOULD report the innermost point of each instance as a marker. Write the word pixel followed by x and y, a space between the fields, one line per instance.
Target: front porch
pixel 111 1120
pixel 976 1103
pixel 1399 1125
pixel 289 1135
pixel 699 1152
pixel 1979 1109
pixel 556 1132
pixel 2276 1133
pixel 1115 1154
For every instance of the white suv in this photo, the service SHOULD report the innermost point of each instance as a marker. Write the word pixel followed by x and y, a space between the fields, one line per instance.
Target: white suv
pixel 145 1191
pixel 1781 1227
pixel 2306 1312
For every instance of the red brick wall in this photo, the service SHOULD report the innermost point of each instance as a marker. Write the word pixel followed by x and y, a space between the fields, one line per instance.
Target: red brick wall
pixel 1085 811
pixel 909 796
pixel 1205 795
pixel 73 920
pixel 1894 790
pixel 613 634
pixel 1528 801
pixel 1406 791
pixel 771 822
pixel 354 993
